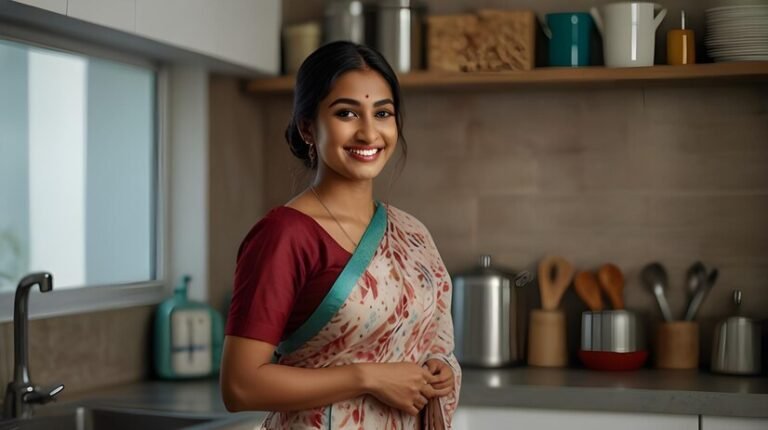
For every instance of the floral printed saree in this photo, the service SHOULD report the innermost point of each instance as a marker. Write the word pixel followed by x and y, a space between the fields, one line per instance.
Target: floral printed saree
pixel 391 303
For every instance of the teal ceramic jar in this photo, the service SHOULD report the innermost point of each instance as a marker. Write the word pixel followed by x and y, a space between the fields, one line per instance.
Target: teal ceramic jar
pixel 569 35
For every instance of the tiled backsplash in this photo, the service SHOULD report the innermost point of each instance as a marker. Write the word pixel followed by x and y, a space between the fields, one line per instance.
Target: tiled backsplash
pixel 626 175
pixel 84 352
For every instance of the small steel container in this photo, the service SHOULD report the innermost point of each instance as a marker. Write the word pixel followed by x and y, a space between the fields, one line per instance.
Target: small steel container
pixel 611 331
pixel 737 345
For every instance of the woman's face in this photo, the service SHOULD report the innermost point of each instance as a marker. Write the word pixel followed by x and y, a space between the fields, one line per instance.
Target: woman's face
pixel 355 131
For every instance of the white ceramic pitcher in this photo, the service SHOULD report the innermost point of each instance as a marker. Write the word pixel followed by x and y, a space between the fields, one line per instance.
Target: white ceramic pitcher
pixel 629 32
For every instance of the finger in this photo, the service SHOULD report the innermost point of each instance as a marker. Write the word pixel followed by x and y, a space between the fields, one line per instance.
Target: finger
pixel 445 374
pixel 442 392
pixel 427 391
pixel 432 366
pixel 442 385
pixel 412 411
pixel 420 402
pixel 429 377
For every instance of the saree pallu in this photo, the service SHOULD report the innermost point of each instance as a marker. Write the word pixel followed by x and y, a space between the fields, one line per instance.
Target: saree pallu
pixel 391 303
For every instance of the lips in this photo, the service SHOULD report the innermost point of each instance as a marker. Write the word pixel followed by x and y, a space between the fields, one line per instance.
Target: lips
pixel 364 154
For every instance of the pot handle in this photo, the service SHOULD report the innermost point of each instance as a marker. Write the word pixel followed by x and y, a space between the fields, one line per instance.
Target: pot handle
pixel 523 278
pixel 659 18
pixel 599 20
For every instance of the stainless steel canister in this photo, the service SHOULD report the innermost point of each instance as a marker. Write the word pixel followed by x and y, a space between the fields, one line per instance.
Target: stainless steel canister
pixel 400 34
pixel 344 20
pixel 737 345
pixel 489 316
pixel 611 331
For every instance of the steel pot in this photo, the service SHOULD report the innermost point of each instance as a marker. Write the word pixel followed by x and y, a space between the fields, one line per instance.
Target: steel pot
pixel 489 316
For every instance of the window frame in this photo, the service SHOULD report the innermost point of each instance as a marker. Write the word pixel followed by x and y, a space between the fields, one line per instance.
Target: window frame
pixel 112 296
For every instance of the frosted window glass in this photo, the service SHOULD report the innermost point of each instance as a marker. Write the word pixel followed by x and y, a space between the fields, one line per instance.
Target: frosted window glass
pixel 78 168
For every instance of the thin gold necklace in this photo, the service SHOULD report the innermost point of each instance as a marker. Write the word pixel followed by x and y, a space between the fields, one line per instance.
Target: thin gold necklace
pixel 331 214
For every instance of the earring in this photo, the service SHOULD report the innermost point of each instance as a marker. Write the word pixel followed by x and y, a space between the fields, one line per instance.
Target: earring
pixel 312 155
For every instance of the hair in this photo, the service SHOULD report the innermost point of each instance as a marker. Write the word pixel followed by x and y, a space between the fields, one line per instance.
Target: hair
pixel 316 78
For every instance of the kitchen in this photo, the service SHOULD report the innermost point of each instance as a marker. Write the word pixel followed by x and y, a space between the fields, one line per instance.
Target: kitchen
pixel 596 172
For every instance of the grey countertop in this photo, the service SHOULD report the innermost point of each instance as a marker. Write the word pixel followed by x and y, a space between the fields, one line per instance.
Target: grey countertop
pixel 643 391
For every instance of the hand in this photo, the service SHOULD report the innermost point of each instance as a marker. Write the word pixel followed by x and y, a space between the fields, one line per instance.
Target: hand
pixel 443 382
pixel 404 386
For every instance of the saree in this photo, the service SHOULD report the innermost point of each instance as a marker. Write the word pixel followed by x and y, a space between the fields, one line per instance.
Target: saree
pixel 390 303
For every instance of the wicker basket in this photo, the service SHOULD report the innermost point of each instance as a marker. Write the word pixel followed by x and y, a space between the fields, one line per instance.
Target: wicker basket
pixel 490 40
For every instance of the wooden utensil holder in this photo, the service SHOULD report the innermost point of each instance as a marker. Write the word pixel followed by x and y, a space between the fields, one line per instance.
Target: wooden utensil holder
pixel 677 345
pixel 546 339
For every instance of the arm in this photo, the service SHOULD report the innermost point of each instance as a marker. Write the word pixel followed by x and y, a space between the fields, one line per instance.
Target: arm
pixel 249 381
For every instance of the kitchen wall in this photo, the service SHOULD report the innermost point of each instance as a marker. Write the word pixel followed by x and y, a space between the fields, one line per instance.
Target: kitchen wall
pixel 623 175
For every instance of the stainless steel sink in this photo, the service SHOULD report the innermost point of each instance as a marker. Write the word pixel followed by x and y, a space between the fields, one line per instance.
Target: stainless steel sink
pixel 101 418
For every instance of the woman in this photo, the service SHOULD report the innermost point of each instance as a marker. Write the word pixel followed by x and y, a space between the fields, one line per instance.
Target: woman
pixel 348 294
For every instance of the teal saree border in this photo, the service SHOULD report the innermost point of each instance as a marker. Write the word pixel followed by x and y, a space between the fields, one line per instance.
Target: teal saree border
pixel 344 283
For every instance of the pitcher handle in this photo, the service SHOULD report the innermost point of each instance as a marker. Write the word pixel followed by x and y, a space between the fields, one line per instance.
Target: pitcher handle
pixel 659 18
pixel 598 20
pixel 544 27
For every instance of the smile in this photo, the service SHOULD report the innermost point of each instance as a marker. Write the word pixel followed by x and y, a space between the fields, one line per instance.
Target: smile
pixel 364 154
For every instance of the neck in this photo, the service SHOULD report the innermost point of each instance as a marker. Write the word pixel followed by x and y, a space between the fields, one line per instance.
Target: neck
pixel 347 198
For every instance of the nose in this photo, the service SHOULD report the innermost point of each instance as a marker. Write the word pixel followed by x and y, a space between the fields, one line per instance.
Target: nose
pixel 367 132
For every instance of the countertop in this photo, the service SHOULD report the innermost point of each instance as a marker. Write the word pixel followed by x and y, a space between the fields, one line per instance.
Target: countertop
pixel 642 391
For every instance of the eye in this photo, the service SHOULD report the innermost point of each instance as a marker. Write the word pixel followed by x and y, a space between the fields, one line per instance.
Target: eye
pixel 383 114
pixel 345 113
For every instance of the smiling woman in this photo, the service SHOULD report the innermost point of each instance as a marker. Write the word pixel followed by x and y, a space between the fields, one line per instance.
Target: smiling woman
pixel 340 315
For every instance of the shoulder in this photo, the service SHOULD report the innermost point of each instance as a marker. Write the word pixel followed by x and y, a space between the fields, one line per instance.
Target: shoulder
pixel 281 224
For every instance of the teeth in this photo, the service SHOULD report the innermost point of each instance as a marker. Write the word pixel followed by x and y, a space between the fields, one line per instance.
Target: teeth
pixel 363 152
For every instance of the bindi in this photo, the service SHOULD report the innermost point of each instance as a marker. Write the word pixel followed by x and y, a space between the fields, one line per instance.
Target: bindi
pixel 366 96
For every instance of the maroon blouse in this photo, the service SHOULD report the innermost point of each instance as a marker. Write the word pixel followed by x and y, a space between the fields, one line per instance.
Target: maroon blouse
pixel 286 265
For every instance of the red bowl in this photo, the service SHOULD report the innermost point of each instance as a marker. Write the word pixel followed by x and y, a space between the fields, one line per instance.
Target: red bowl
pixel 606 360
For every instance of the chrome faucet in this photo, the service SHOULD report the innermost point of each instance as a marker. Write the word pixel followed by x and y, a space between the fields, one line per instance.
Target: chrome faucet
pixel 21 394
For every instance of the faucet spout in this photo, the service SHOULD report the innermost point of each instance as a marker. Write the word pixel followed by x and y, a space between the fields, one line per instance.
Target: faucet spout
pixel 20 392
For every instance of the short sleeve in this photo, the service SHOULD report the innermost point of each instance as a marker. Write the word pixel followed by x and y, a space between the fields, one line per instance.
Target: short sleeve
pixel 272 266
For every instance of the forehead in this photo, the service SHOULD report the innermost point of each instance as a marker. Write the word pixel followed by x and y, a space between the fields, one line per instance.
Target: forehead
pixel 357 84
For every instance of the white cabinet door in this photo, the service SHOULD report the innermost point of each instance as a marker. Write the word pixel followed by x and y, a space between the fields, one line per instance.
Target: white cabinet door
pixel 118 14
pixel 244 32
pixel 58 6
pixel 482 418
pixel 731 423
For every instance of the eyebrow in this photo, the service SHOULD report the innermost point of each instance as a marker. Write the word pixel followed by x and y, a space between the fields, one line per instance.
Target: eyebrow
pixel 354 102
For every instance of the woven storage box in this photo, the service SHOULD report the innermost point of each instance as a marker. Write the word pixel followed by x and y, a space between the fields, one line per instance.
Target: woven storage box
pixel 490 40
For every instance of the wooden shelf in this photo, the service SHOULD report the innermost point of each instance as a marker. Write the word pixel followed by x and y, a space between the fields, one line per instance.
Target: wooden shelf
pixel 756 71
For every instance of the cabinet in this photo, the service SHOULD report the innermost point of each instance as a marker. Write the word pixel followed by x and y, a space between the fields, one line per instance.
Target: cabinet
pixel 117 14
pixel 58 6
pixel 245 33
pixel 484 418
pixel 732 423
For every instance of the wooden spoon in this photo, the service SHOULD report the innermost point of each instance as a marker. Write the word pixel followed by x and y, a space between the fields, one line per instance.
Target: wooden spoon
pixel 555 274
pixel 586 286
pixel 612 282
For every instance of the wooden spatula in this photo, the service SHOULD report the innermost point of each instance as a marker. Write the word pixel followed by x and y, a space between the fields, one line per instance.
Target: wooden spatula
pixel 555 274
pixel 587 287
pixel 612 282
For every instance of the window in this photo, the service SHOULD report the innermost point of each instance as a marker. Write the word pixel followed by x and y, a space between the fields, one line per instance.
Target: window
pixel 79 169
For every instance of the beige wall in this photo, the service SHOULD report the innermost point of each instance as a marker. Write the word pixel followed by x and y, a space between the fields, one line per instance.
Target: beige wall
pixel 627 175
pixel 237 178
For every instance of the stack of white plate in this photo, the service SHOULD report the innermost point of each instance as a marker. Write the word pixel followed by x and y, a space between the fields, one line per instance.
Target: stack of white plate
pixel 738 32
